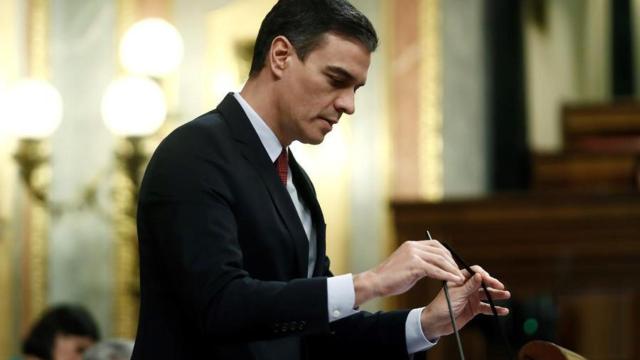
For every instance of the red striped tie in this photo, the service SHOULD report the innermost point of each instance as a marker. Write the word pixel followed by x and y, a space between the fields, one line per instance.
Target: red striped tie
pixel 282 164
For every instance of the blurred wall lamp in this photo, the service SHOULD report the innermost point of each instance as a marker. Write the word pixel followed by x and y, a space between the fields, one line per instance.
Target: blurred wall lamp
pixel 32 112
pixel 133 108
pixel 33 109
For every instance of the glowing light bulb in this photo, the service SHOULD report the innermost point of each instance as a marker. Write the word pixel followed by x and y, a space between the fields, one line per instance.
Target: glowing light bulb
pixel 32 109
pixel 133 106
pixel 151 47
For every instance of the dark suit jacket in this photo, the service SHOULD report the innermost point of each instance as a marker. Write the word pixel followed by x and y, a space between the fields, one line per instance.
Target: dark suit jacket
pixel 223 256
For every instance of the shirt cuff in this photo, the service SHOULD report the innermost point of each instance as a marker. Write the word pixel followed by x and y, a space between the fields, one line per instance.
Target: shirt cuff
pixel 341 297
pixel 416 339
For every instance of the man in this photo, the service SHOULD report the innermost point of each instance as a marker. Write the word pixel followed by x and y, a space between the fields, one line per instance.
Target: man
pixel 232 239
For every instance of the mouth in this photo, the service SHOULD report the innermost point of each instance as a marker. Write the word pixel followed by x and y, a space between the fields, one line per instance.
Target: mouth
pixel 331 122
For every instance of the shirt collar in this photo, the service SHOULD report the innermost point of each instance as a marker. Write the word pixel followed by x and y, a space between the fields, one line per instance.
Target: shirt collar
pixel 266 135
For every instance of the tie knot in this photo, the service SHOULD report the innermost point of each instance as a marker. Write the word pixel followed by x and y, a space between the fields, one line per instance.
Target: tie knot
pixel 282 164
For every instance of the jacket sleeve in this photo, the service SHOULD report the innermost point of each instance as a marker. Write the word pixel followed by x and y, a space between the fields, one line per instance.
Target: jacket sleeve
pixel 363 335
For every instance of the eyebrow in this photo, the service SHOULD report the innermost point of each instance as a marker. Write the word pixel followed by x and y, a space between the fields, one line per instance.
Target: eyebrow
pixel 343 73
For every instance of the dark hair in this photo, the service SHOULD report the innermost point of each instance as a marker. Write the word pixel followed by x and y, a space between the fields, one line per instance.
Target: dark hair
pixel 304 23
pixel 62 319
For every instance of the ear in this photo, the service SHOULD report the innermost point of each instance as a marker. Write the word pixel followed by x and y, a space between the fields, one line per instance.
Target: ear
pixel 280 55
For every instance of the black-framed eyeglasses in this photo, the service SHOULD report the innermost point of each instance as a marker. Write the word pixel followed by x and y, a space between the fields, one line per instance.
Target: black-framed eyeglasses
pixel 460 261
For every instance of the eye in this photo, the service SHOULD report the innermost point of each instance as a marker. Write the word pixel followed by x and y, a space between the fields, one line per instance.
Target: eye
pixel 337 82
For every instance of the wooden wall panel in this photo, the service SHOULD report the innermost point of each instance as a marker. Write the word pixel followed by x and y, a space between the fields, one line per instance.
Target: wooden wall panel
pixel 581 250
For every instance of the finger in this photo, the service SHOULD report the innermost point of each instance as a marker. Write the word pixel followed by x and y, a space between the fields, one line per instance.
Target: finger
pixel 437 244
pixel 442 257
pixel 434 246
pixel 485 309
pixel 488 279
pixel 435 268
pixel 438 260
pixel 431 263
pixel 495 294
pixel 472 285
pixel 437 273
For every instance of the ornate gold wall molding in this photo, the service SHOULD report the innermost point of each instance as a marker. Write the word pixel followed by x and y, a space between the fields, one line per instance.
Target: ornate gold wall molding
pixel 404 66
pixel 35 217
pixel 127 286
pixel 9 62
pixel 416 104
pixel 6 275
pixel 38 38
pixel 430 159
pixel 34 260
pixel 8 66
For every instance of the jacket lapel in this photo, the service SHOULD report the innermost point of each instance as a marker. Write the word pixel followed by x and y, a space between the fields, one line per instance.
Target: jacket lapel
pixel 305 187
pixel 254 152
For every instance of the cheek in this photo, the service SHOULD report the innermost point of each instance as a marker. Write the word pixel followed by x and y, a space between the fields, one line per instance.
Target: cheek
pixel 308 97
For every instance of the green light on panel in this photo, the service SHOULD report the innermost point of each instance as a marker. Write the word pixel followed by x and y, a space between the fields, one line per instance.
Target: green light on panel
pixel 530 326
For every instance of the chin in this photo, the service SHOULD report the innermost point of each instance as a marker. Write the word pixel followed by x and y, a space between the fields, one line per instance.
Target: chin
pixel 312 137
pixel 312 141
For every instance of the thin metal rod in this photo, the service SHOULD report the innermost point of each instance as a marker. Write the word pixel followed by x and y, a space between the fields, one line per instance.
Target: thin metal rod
pixel 451 316
pixel 503 334
pixel 453 320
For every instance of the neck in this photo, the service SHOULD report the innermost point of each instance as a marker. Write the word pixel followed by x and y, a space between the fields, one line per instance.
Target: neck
pixel 263 98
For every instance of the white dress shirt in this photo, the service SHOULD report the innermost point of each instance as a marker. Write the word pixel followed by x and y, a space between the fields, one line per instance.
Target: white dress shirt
pixel 340 290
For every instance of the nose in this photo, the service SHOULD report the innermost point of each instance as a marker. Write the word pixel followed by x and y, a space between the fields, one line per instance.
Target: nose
pixel 345 102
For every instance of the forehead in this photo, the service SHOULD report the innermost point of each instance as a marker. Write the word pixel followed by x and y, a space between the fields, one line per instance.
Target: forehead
pixel 335 51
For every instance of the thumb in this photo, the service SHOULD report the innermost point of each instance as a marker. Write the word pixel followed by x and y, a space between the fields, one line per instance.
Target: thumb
pixel 472 285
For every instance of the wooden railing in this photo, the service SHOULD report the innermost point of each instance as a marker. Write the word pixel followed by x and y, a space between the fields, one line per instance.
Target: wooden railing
pixel 582 251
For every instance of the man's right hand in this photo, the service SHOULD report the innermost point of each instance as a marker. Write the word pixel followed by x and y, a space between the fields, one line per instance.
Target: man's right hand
pixel 412 261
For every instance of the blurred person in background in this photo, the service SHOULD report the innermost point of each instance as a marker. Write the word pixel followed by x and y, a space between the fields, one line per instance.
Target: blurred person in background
pixel 111 349
pixel 63 332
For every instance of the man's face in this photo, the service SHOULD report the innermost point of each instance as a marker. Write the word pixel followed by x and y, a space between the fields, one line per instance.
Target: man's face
pixel 320 89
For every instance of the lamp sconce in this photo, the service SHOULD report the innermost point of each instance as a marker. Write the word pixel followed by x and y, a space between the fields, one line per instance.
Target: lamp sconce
pixel 133 108
pixel 32 157
pixel 32 125
pixel 131 156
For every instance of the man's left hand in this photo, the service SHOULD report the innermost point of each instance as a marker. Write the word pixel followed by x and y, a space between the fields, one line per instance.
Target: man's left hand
pixel 466 302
